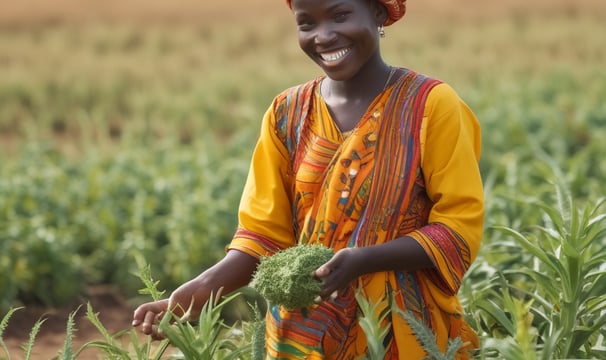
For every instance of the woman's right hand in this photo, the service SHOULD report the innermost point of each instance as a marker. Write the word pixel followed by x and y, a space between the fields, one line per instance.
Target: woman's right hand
pixel 185 303
pixel 148 316
pixel 187 300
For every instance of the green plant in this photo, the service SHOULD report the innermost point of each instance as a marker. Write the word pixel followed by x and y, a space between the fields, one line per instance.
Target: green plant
pixel 29 345
pixel 374 324
pixel 506 319
pixel 257 338
pixel 210 338
pixel 67 352
pixel 3 325
pixel 286 278
pixel 113 347
pixel 428 339
pixel 559 287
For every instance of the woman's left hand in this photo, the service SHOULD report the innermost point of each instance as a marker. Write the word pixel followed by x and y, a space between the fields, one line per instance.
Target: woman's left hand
pixel 344 267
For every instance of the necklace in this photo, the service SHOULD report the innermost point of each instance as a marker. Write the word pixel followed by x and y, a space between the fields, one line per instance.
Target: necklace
pixel 392 70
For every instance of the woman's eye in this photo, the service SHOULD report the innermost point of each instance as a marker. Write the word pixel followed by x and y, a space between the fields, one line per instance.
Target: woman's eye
pixel 304 25
pixel 341 17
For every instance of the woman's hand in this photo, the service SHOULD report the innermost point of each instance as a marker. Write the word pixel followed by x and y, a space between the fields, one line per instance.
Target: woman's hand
pixel 188 299
pixel 185 303
pixel 339 272
pixel 149 315
pixel 403 253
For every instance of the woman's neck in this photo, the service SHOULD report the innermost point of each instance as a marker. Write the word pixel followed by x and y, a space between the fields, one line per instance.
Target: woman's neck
pixel 366 84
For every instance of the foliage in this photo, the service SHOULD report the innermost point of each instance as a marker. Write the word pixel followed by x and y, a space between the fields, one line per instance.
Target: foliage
pixel 257 335
pixel 3 325
pixel 210 338
pixel 67 352
pixel 286 278
pixel 374 324
pixel 553 301
pixel 66 225
pixel 428 339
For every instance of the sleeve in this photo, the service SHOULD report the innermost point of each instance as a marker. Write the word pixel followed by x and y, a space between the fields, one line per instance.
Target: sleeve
pixel 450 152
pixel 265 211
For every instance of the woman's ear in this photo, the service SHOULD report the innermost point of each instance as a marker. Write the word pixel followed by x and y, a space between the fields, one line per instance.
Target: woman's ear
pixel 379 11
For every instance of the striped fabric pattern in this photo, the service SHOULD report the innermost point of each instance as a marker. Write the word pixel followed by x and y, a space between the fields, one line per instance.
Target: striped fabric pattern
pixel 363 189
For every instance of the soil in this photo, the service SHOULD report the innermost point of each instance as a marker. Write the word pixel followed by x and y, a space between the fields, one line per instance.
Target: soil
pixel 113 311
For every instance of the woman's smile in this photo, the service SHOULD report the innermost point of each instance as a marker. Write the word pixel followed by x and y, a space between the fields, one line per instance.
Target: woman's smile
pixel 334 56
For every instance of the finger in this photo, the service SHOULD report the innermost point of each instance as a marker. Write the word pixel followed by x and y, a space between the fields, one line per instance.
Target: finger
pixel 141 311
pixel 138 315
pixel 157 333
pixel 322 271
pixel 148 322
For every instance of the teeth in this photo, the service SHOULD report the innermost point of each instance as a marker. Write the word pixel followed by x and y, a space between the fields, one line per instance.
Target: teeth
pixel 334 56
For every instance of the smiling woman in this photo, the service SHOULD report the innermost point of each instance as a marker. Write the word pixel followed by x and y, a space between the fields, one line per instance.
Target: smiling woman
pixel 378 163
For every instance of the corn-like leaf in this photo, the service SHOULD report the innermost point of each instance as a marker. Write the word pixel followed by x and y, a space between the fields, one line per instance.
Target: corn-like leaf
pixel 94 319
pixel 67 352
pixel 542 280
pixel 598 259
pixel 556 217
pixel 373 325
pixel 596 287
pixel 108 345
pixel 207 340
pixel 32 338
pixel 550 343
pixel 497 313
pixel 596 304
pixel 545 258
pixel 112 351
pixel 4 324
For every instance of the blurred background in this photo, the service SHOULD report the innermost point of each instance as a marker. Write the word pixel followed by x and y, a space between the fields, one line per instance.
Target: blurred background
pixel 126 127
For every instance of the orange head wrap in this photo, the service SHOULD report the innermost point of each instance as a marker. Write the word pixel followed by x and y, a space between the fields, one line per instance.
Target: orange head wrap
pixel 395 9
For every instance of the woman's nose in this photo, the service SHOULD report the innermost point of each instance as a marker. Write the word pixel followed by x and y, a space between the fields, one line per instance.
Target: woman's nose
pixel 325 34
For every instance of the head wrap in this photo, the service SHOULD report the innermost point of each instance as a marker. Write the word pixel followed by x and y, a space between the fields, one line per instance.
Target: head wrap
pixel 395 9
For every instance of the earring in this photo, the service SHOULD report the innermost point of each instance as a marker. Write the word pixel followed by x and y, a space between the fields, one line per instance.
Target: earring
pixel 381 30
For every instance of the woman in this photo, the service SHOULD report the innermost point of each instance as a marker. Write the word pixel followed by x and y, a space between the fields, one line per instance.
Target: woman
pixel 377 162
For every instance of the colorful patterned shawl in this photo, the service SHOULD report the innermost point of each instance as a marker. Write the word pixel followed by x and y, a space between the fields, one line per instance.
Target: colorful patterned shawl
pixel 369 190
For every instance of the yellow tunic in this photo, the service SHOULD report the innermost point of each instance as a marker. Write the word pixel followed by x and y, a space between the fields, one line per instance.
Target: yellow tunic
pixel 324 200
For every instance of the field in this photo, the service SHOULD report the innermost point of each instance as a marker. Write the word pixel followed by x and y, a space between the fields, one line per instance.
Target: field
pixel 126 130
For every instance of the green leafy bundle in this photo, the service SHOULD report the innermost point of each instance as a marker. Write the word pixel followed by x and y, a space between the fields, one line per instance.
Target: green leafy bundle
pixel 286 277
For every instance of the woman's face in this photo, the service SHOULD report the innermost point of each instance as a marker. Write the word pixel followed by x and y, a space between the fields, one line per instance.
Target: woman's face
pixel 338 35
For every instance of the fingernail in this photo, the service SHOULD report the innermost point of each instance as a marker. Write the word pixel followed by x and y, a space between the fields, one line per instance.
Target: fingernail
pixel 334 295
pixel 318 299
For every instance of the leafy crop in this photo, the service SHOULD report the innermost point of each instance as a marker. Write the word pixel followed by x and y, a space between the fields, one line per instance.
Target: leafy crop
pixel 286 278
pixel 552 303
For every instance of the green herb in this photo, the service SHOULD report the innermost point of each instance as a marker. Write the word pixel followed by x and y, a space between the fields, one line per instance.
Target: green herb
pixel 286 277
